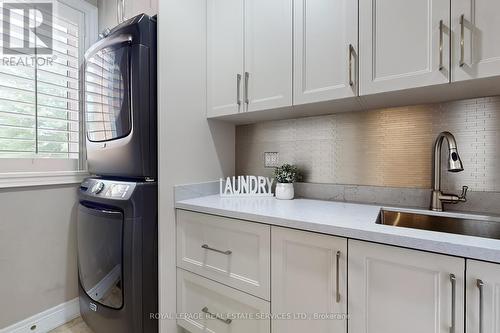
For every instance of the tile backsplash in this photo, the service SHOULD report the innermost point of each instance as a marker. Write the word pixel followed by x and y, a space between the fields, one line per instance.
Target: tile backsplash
pixel 385 147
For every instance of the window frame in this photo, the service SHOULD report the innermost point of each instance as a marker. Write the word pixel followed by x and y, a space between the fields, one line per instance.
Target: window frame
pixel 41 178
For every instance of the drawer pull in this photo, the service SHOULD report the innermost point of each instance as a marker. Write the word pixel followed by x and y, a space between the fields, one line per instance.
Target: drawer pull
pixel 206 247
pixel 338 277
pixel 480 286
pixel 225 321
pixel 453 281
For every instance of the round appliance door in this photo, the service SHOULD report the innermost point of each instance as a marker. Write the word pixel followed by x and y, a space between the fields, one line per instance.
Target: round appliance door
pixel 100 254
pixel 107 94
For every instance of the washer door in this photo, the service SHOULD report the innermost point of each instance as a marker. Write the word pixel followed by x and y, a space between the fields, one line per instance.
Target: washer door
pixel 100 254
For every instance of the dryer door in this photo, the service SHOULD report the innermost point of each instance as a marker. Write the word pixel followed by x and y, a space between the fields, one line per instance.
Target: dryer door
pixel 107 93
pixel 100 254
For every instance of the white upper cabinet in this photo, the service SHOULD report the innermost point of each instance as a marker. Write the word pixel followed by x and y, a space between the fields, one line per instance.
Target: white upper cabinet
pixel 249 55
pixel 403 44
pixel 309 275
pixel 224 56
pixel 483 297
pixel 476 47
pixel 395 290
pixel 325 50
pixel 268 54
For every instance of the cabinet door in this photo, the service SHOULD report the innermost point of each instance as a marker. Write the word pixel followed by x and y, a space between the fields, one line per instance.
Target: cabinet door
pixel 307 277
pixel 268 53
pixel 479 53
pixel 394 290
pixel 224 56
pixel 402 44
pixel 483 297
pixel 324 64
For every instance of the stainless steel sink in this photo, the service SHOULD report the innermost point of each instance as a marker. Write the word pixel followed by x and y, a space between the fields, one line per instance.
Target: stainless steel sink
pixel 452 225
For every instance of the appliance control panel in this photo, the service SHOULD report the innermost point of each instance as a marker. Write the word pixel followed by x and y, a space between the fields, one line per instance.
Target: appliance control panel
pixel 111 189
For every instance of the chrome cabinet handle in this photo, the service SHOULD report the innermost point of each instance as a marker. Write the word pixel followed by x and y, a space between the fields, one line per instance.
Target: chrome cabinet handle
pixel 247 77
pixel 441 45
pixel 351 51
pixel 206 247
pixel 462 41
pixel 338 277
pixel 238 84
pixel 225 321
pixel 453 281
pixel 480 285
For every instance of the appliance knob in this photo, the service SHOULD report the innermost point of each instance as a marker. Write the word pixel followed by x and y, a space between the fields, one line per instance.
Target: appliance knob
pixel 98 187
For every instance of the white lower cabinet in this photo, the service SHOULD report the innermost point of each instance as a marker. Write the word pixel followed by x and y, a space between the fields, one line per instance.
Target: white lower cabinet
pixel 395 290
pixel 208 306
pixel 236 276
pixel 483 297
pixel 308 277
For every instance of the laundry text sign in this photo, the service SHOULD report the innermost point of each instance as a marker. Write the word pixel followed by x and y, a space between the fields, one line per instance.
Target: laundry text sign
pixel 246 186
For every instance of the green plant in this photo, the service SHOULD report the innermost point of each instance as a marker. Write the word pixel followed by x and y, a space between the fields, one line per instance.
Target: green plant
pixel 287 173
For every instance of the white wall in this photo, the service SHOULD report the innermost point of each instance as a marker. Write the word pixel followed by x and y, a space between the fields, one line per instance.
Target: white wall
pixel 38 268
pixel 107 14
pixel 38 265
pixel 191 149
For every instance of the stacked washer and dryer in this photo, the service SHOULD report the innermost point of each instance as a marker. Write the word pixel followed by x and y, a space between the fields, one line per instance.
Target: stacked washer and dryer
pixel 118 210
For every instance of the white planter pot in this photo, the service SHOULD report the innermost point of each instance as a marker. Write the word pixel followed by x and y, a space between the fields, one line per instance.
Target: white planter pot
pixel 284 191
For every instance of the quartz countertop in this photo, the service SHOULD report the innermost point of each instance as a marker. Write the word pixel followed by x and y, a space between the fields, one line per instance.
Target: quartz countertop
pixel 351 220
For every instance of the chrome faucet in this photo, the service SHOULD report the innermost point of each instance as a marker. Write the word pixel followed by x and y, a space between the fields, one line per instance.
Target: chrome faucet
pixel 454 165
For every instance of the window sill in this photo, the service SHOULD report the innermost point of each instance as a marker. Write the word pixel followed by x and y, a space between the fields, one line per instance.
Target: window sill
pixel 26 179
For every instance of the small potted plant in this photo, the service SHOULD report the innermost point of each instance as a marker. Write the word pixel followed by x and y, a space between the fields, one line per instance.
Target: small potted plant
pixel 285 176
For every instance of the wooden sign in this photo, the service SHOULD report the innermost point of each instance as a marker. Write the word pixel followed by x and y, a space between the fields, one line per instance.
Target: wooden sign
pixel 246 186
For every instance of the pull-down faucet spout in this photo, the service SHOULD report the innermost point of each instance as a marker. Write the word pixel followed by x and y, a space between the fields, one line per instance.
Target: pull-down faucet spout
pixel 454 165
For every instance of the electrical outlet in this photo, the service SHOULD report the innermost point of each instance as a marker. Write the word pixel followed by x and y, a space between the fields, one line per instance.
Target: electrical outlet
pixel 271 159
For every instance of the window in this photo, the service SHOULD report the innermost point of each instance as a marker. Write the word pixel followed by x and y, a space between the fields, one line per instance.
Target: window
pixel 40 99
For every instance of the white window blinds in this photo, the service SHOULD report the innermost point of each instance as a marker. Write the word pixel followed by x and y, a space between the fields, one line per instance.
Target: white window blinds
pixel 40 93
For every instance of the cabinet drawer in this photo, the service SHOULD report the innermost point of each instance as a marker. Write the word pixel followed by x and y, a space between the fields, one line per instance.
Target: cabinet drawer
pixel 208 306
pixel 229 251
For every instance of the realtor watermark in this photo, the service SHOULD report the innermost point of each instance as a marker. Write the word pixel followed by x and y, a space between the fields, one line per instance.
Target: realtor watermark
pixel 27 33
pixel 249 316
pixel 27 61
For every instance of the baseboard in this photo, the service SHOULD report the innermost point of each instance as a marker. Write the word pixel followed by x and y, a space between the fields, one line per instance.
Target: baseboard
pixel 46 320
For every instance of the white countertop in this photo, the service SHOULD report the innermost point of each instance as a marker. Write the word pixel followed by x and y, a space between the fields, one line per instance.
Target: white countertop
pixel 357 221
